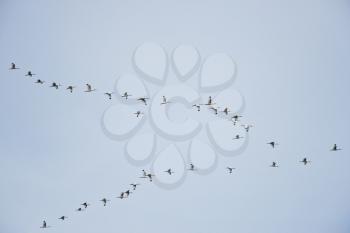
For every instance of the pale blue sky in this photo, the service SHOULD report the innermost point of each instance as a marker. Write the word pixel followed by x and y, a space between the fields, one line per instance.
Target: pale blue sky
pixel 293 61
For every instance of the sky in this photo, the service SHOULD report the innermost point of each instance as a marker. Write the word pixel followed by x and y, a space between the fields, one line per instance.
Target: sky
pixel 293 65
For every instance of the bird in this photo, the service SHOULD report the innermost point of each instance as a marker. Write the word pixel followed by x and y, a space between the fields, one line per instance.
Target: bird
pixel 44 225
pixel 85 204
pixel 134 186
pixel 126 95
pixel 197 106
pixel 39 81
pixel 80 209
pixel 230 169
pixel 55 85
pixel 149 175
pixel 164 100
pixel 63 217
pixel 274 164
pixel 169 171
pixel 138 113
pixel 104 200
pixel 13 66
pixel 335 148
pixel 143 100
pixel 215 110
pixel 144 173
pixel 237 137
pixel 127 193
pixel 273 144
pixel 192 168
pixel 235 119
pixel 247 127
pixel 109 94
pixel 226 111
pixel 305 161
pixel 210 101
pixel 89 88
pixel 30 74
pixel 121 195
pixel 70 88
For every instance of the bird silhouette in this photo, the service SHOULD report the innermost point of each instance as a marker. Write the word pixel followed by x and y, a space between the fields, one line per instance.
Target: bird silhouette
pixel 169 171
pixel 39 81
pixel 235 119
pixel 109 94
pixel 134 186
pixel 274 164
pixel 89 88
pixel 247 127
pixel 127 193
pixel 13 66
pixel 230 169
pixel 237 137
pixel 63 217
pixel 85 204
pixel 226 111
pixel 273 144
pixel 305 161
pixel 197 106
pixel 70 88
pixel 122 195
pixel 79 209
pixel 164 100
pixel 55 85
pixel 215 110
pixel 30 74
pixel 143 100
pixel 192 167
pixel 335 148
pixel 126 95
pixel 138 113
pixel 210 102
pixel 104 201
pixel 44 225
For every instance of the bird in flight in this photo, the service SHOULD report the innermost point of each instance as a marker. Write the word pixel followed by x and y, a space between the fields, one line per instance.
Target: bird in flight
pixel 247 127
pixel 127 193
pixel 215 110
pixel 274 164
pixel 235 119
pixel 237 137
pixel 273 144
pixel 230 169
pixel 138 113
pixel 147 175
pixel 143 100
pixel 13 66
pixel 70 88
pixel 39 81
pixel 197 106
pixel 89 88
pixel 30 74
pixel 165 101
pixel 122 195
pixel 335 148
pixel 44 225
pixel 85 204
pixel 55 85
pixel 63 217
pixel 192 168
pixel 210 102
pixel 305 161
pixel 126 95
pixel 109 94
pixel 226 111
pixel 80 209
pixel 169 171
pixel 104 200
pixel 134 186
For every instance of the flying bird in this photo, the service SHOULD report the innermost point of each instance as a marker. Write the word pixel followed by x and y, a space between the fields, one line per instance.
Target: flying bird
pixel 44 225
pixel 85 204
pixel 235 119
pixel 273 144
pixel 335 148
pixel 134 186
pixel 237 137
pixel 39 81
pixel 70 88
pixel 169 171
pixel 143 100
pixel 247 127
pixel 104 200
pixel 126 95
pixel 109 94
pixel 138 113
pixel 80 209
pixel 13 66
pixel 305 161
pixel 165 101
pixel 89 88
pixel 127 193
pixel 214 109
pixel 30 74
pixel 63 217
pixel 122 195
pixel 226 111
pixel 192 168
pixel 210 102
pixel 55 85
pixel 230 169
pixel 197 106
pixel 274 164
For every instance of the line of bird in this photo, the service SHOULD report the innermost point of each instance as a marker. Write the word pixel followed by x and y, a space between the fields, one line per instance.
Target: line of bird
pixel 146 175
pixel 170 171
pixel 89 88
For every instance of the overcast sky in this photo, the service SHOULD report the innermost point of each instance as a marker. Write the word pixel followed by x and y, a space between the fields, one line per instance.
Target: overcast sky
pixel 293 60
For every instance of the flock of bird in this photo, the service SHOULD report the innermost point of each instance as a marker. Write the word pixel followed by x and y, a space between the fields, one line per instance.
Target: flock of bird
pixel 147 175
